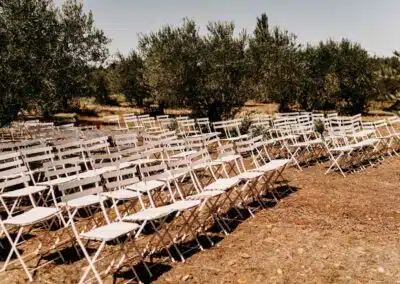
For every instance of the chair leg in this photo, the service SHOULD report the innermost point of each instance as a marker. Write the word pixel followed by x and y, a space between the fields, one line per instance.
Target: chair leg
pixel 14 249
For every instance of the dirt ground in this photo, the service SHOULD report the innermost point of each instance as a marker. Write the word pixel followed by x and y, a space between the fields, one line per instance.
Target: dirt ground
pixel 329 230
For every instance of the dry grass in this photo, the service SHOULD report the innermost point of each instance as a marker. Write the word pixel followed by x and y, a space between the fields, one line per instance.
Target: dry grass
pixel 376 109
pixel 332 229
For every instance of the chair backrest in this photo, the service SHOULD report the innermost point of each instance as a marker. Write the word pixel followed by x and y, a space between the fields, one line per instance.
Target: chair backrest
pixel 203 124
pixel 286 114
pixel 69 149
pixel 65 135
pixel 162 117
pixel 61 168
pixel 101 160
pixel 172 147
pixel 14 183
pixel 180 118
pixel 80 187
pixel 98 144
pixel 151 171
pixel 120 178
pixel 154 130
pixel 132 154
pixel 187 127
pixel 148 122
pixel 8 147
pixel 131 121
pixel 230 127
pixel 31 143
pixel 244 146
pixel 126 140
pixel 11 164
pixel 34 158
pixel 195 142
pixel 153 152
pixel 394 124
pixel 143 116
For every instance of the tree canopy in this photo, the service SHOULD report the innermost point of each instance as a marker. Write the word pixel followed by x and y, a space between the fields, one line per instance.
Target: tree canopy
pixel 45 55
pixel 49 56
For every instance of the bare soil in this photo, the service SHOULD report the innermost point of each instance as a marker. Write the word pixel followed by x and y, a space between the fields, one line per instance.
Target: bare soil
pixel 330 229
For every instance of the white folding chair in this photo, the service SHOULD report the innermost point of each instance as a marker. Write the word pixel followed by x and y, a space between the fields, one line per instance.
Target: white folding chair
pixel 104 233
pixel 117 183
pixel 34 159
pixel 25 222
pixel 17 189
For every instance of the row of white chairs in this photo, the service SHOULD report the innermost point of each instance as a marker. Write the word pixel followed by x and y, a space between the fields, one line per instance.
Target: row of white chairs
pixel 68 190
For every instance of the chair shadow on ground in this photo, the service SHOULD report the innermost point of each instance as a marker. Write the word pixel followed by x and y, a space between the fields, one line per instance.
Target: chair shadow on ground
pixel 156 263
pixel 5 246
pixel 157 269
pixel 69 254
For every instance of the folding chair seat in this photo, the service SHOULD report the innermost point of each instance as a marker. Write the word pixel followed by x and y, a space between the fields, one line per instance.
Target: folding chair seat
pixel 151 183
pixel 146 186
pixel 110 231
pixel 107 234
pixel 298 150
pixel 117 184
pixel 156 217
pixel 15 190
pixel 28 219
pixel 230 159
pixel 11 166
pixel 79 194
pixel 26 191
pixel 84 201
pixel 272 172
pixel 32 216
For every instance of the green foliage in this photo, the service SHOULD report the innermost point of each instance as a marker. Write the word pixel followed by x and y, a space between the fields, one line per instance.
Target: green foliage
pixel 100 84
pixel 389 79
pixel 319 127
pixel 45 55
pixel 130 70
pixel 173 125
pixel 276 65
pixel 204 73
pixel 340 75
pixel 245 124
pixel 51 56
